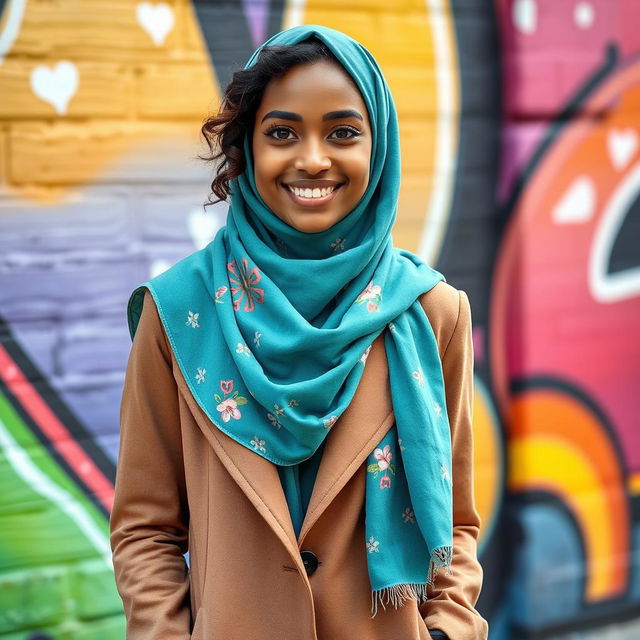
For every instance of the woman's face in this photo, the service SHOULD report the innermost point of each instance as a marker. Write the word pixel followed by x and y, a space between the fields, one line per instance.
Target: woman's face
pixel 311 146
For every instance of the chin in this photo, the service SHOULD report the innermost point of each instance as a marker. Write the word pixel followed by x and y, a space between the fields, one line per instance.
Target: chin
pixel 312 227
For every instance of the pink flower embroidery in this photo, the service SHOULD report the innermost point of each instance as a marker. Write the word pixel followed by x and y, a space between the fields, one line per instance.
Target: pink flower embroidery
pixel 329 422
pixel 383 465
pixel 371 291
pixel 220 291
pixel 243 281
pixel 372 295
pixel 229 409
pixel 226 386
pixel 383 456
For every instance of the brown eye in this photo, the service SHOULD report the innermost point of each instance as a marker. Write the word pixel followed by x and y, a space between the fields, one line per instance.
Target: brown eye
pixel 344 133
pixel 279 133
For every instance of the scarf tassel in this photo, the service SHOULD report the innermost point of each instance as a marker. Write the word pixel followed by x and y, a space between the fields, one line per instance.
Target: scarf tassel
pixel 400 593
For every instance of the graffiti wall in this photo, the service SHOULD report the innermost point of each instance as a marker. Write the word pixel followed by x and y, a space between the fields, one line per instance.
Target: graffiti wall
pixel 520 124
pixel 565 306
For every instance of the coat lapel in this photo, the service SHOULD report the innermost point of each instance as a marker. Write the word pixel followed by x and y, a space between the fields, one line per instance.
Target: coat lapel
pixel 354 435
pixel 351 440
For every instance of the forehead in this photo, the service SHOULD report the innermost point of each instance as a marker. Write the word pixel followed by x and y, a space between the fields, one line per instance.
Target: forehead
pixel 313 88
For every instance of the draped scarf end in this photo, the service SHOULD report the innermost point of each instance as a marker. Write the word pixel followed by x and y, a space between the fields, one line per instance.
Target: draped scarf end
pixel 400 593
pixel 397 595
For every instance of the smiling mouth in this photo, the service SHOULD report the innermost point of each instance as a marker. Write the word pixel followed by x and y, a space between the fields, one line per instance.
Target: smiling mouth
pixel 311 197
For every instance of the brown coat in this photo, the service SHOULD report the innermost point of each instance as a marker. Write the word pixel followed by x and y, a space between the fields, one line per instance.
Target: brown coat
pixel 182 484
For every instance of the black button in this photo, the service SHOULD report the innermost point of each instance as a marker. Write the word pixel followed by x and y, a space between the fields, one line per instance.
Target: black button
pixel 310 561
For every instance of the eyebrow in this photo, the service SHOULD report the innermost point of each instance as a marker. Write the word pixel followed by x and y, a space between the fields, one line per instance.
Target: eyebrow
pixel 296 117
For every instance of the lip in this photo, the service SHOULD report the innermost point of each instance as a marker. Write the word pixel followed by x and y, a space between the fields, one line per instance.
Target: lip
pixel 312 202
pixel 311 184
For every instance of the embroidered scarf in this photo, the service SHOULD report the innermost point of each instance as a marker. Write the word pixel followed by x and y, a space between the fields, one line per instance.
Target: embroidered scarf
pixel 271 328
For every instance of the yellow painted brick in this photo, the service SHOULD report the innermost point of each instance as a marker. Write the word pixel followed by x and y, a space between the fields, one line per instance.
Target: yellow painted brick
pixel 414 90
pixel 406 236
pixel 4 152
pixel 417 140
pixel 398 6
pixel 76 153
pixel 105 30
pixel 393 38
pixel 103 90
pixel 176 90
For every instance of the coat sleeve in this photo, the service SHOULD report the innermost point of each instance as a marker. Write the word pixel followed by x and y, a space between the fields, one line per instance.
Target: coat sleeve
pixel 149 519
pixel 452 599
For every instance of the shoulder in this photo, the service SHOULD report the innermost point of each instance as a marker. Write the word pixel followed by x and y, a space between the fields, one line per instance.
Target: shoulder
pixel 448 309
pixel 150 330
pixel 149 315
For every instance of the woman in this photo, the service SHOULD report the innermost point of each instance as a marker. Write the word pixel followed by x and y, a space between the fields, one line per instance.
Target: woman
pixel 297 399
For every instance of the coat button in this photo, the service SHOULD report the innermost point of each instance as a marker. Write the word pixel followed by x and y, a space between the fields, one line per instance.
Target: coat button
pixel 310 561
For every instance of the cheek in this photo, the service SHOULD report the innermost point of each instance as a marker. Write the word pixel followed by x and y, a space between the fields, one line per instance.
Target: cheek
pixel 360 171
pixel 265 168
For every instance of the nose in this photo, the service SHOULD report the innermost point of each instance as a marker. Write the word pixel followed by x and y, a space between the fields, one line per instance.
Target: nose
pixel 312 157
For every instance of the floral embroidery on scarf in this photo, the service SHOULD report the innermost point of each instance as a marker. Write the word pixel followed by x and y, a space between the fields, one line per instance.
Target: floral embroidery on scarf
pixel 372 545
pixel 228 407
pixel 192 319
pixel 200 375
pixel 419 376
pixel 243 283
pixel 329 422
pixel 365 355
pixel 392 327
pixel 220 291
pixel 256 339
pixel 400 443
pixel 278 410
pixel 274 421
pixel 384 457
pixel 338 244
pixel 242 348
pixel 292 403
pixel 258 444
pixel 372 294
pixel 444 472
pixel 438 409
pixel 409 516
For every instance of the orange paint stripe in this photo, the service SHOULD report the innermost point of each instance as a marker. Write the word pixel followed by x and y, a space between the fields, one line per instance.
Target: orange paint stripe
pixel 634 483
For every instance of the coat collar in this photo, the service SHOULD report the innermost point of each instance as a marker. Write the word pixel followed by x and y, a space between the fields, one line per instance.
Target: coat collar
pixel 351 440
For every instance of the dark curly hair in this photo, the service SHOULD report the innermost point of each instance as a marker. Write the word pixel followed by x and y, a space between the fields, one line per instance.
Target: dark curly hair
pixel 225 132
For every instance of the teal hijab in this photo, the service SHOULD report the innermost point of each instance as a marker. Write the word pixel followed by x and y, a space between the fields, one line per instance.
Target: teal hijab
pixel 271 328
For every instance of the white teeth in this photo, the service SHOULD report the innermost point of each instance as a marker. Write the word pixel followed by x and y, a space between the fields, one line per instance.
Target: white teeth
pixel 312 193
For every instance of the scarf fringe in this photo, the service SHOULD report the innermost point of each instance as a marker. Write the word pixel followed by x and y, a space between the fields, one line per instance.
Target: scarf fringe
pixel 400 593
pixel 397 595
